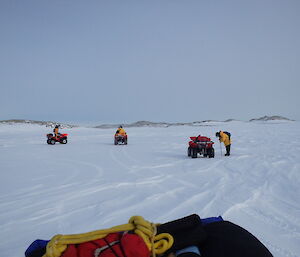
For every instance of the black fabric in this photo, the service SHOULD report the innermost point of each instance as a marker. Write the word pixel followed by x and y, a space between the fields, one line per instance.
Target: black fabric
pixel 188 237
pixel 180 224
pixel 225 239
pixel 186 231
pixel 227 133
pixel 228 149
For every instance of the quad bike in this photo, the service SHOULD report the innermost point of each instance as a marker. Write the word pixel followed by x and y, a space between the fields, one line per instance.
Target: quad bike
pixel 120 139
pixel 201 145
pixel 61 138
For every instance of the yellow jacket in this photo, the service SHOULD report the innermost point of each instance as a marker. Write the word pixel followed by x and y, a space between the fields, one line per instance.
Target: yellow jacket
pixel 55 130
pixel 121 131
pixel 224 138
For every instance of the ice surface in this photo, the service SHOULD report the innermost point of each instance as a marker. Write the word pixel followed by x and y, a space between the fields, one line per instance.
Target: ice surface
pixel 91 184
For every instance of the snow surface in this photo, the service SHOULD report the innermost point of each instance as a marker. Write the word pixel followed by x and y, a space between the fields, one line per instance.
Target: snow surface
pixel 91 184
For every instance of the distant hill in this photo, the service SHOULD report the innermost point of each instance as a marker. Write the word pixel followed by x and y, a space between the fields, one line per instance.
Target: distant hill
pixel 229 120
pixel 37 122
pixel 142 123
pixel 268 118
pixel 159 124
pixel 135 124
pixel 128 125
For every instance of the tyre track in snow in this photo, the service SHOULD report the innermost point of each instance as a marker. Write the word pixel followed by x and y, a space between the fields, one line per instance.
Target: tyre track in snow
pixel 210 167
pixel 168 183
pixel 60 196
pixel 81 189
pixel 260 191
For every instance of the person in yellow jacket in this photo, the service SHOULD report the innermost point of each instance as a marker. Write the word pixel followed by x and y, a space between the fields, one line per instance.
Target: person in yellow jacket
pixel 120 131
pixel 55 130
pixel 224 137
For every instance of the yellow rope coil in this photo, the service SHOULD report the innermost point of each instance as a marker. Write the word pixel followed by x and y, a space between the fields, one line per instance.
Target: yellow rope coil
pixel 157 244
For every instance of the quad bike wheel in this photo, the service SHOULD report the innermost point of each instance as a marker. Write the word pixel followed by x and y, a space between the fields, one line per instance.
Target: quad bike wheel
pixel 194 153
pixel 212 153
pixel 63 141
pixel 52 142
pixel 48 141
pixel 189 151
pixel 125 141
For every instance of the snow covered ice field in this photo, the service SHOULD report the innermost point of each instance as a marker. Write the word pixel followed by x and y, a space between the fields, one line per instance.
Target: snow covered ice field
pixel 91 184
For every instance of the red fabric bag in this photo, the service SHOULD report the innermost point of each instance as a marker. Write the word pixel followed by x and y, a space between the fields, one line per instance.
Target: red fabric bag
pixel 113 245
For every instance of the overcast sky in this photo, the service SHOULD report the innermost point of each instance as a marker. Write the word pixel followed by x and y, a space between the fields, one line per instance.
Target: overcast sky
pixel 157 60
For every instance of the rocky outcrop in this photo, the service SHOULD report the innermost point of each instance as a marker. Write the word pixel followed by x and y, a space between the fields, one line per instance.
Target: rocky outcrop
pixel 36 122
pixel 268 118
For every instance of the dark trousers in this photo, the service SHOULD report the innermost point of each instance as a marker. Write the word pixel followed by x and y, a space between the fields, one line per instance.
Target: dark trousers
pixel 228 149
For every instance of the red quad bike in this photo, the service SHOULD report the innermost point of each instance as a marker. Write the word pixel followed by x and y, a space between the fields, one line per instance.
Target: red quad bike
pixel 201 145
pixel 119 139
pixel 61 138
